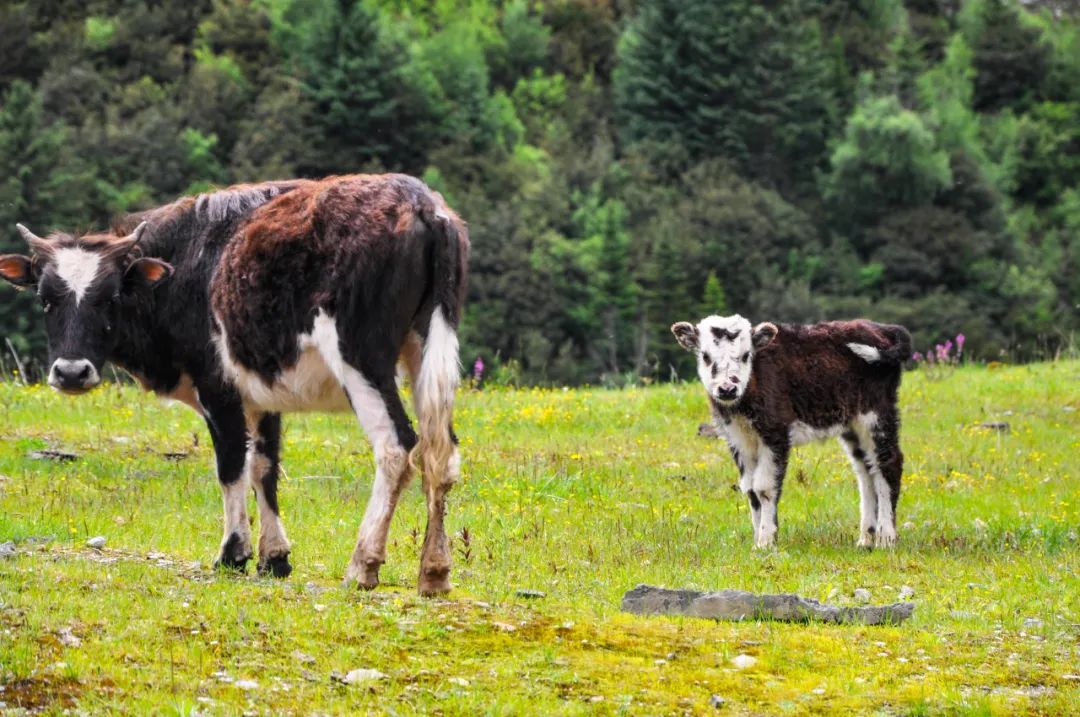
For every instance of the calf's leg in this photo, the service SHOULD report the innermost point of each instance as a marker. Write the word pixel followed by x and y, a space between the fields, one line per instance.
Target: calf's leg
pixel 746 465
pixel 889 464
pixel 262 468
pixel 853 441
pixel 767 485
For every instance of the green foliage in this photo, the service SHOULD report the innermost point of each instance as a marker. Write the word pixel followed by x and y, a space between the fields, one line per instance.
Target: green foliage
pixel 888 160
pixel 621 165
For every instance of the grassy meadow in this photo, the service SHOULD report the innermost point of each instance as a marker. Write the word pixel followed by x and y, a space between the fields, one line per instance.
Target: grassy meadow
pixel 580 494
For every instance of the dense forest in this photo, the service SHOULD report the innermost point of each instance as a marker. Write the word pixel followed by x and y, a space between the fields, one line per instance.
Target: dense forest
pixel 622 164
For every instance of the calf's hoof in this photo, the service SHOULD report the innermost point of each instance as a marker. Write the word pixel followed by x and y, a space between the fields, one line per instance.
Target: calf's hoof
pixel 886 539
pixel 275 566
pixel 235 554
pixel 434 581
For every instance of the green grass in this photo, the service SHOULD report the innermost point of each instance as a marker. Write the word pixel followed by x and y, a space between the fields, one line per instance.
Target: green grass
pixel 581 494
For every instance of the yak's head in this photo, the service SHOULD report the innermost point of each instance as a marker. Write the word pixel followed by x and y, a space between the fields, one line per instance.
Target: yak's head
pixel 81 283
pixel 725 347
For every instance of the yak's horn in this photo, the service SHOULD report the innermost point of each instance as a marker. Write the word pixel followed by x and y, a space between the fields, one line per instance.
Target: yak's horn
pixel 37 244
pixel 121 247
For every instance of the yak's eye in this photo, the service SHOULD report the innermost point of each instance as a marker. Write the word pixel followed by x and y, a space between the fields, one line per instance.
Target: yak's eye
pixel 706 359
pixel 745 357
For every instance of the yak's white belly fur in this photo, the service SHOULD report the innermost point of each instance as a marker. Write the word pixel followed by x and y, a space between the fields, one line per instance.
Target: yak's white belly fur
pixel 313 383
pixel 800 433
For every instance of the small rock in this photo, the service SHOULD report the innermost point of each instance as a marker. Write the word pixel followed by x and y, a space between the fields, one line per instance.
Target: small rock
pixel 743 661
pixel 999 426
pixel 906 592
pixel 716 701
pixel 459 681
pixel 530 594
pixel 818 691
pixel 97 542
pixel 1032 622
pixel 53 455
pixel 908 525
pixel 862 595
pixel 504 626
pixel 7 549
pixel 246 684
pixel 302 657
pixel 358 677
pixel 68 638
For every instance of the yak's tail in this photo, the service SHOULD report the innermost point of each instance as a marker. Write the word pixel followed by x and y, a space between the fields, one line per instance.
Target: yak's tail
pixel 440 365
pixel 896 351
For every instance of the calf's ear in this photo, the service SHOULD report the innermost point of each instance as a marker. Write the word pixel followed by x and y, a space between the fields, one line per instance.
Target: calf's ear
pixel 764 334
pixel 147 272
pixel 18 270
pixel 687 335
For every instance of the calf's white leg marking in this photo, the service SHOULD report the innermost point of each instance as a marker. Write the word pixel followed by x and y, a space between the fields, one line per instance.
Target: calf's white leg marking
pixel 765 487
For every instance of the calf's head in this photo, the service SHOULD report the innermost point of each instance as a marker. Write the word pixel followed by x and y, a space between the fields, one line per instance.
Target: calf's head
pixel 725 347
pixel 81 283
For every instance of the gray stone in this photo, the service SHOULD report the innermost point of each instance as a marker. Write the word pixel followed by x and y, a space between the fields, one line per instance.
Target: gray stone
pixel 1032 622
pixel 7 549
pixel 906 592
pixel 97 543
pixel 742 605
pixel 716 701
pixel 530 594
pixel 999 426
pixel 861 595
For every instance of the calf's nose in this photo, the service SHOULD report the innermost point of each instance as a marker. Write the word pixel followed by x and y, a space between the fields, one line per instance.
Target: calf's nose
pixel 726 394
pixel 67 374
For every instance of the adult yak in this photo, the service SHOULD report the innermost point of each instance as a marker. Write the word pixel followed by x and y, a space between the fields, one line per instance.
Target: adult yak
pixel 283 296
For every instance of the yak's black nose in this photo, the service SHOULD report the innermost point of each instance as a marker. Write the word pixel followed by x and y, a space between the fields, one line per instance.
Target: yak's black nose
pixel 727 394
pixel 73 375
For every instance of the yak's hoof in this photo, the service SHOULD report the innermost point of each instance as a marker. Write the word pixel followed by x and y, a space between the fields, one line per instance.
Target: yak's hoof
pixel 275 566
pixel 434 581
pixel 234 556
pixel 367 578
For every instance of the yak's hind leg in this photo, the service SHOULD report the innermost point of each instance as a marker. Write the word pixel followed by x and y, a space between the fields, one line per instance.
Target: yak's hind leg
pixel 853 441
pixel 262 468
pixel 378 408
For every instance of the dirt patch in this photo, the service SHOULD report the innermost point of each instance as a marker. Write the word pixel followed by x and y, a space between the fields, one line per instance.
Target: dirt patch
pixel 36 695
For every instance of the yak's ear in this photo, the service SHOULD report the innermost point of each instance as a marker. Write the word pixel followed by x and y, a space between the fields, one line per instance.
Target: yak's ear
pixel 18 270
pixel 148 272
pixel 764 334
pixel 687 335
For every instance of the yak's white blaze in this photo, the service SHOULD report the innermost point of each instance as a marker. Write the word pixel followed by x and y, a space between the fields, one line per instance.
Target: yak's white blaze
pixel 865 352
pixel 313 383
pixel 77 268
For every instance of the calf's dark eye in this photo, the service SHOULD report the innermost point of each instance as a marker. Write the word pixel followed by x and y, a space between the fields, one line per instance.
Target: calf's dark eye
pixel 746 357
pixel 706 359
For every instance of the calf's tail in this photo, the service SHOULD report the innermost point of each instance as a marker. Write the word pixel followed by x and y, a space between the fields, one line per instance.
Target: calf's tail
pixel 895 350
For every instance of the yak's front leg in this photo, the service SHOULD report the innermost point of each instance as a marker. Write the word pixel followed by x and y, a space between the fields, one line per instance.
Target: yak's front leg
pixel 767 485
pixel 225 419
pixel 382 415
pixel 745 461
pixel 262 469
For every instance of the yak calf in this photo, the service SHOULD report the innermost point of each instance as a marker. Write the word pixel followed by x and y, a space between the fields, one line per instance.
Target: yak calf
pixel 772 387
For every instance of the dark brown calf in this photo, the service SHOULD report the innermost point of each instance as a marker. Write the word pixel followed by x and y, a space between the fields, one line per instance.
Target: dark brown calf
pixel 774 387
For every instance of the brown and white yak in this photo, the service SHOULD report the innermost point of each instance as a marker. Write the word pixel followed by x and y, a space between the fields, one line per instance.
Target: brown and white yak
pixel 283 296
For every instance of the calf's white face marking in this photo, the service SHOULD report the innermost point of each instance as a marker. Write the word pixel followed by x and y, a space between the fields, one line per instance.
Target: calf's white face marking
pixel 77 268
pixel 725 348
